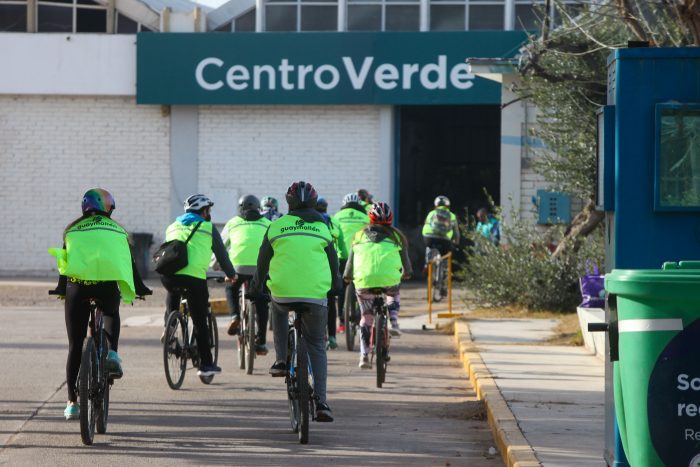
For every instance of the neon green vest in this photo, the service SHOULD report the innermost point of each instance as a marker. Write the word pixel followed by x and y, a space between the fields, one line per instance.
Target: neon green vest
pixel 97 249
pixel 245 238
pixel 428 230
pixel 299 266
pixel 338 239
pixel 375 264
pixel 350 222
pixel 198 248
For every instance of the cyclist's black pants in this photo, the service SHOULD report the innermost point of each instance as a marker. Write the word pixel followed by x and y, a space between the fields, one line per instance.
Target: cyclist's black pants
pixel 262 312
pixel 197 294
pixel 443 245
pixel 341 302
pixel 77 316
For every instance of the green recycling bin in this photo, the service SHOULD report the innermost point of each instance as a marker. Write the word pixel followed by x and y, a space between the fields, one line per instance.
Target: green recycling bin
pixel 656 317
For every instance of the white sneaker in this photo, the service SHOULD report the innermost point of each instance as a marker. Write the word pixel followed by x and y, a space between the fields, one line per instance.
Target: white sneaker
pixel 395 331
pixel 364 362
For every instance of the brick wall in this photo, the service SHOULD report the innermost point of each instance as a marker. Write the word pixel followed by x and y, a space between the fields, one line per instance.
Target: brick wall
pixel 262 149
pixel 52 149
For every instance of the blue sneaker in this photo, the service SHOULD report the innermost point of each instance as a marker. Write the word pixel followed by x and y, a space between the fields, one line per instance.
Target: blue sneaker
pixel 114 365
pixel 72 411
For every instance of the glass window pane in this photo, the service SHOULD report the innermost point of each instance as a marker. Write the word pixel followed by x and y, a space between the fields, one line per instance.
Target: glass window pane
pixel 126 25
pixel 402 18
pixel 88 2
pixel 364 18
pixel 54 18
pixel 246 22
pixel 485 17
pixel 281 18
pixel 90 20
pixel 319 18
pixel 13 18
pixel 679 158
pixel 447 17
pixel 57 1
pixel 527 17
pixel 224 27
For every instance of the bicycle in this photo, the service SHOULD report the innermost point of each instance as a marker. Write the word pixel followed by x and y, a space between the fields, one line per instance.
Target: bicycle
pixel 439 274
pixel 380 336
pixel 300 381
pixel 351 315
pixel 246 337
pixel 180 342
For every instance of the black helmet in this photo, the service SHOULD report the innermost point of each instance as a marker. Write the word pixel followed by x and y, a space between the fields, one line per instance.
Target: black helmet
pixel 301 195
pixel 321 204
pixel 248 203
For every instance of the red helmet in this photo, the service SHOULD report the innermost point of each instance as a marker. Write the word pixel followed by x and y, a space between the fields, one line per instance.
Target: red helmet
pixel 301 195
pixel 381 214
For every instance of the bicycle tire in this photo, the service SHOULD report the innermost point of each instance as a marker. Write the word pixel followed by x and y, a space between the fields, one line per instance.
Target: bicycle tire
pixel 250 339
pixel 380 346
pixel 437 293
pixel 292 386
pixel 175 349
pixel 243 309
pixel 348 315
pixel 103 400
pixel 213 343
pixel 86 388
pixel 304 393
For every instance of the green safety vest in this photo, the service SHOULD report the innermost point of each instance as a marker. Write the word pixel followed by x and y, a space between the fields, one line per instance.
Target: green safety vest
pixel 97 249
pixel 428 229
pixel 350 222
pixel 299 266
pixel 375 264
pixel 198 248
pixel 245 238
pixel 338 239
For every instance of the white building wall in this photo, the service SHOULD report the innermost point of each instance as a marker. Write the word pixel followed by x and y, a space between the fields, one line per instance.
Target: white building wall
pixel 262 149
pixel 53 149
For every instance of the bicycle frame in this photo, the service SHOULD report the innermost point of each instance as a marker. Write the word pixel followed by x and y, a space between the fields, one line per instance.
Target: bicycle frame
pixel 438 261
pixel 295 331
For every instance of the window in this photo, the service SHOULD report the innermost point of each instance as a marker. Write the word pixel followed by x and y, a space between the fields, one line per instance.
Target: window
pixel 319 17
pixel 447 17
pixel 402 18
pixel 281 17
pixel 71 16
pixel 528 17
pixel 245 22
pixel 364 17
pixel 485 17
pixel 13 16
pixel 225 27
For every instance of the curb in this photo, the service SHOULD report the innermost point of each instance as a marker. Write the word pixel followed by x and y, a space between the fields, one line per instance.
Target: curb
pixel 514 448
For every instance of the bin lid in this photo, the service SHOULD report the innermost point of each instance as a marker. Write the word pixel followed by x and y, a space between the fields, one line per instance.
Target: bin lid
pixel 680 279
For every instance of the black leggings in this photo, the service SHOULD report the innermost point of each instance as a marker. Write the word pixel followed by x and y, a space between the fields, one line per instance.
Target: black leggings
pixel 197 294
pixel 262 312
pixel 77 316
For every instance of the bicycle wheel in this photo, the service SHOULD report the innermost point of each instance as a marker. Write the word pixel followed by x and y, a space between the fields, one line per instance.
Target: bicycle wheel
pixel 304 393
pixel 213 343
pixel 250 339
pixel 175 350
pixel 437 285
pixel 292 382
pixel 380 346
pixel 241 332
pixel 349 316
pixel 102 405
pixel 88 390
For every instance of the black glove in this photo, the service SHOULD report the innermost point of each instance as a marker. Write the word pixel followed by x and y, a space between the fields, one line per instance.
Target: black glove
pixel 257 296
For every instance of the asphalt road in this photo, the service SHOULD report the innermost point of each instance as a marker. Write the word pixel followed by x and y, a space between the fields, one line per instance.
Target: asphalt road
pixel 426 414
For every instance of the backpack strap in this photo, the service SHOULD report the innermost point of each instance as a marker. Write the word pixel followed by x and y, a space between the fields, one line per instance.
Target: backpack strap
pixel 193 231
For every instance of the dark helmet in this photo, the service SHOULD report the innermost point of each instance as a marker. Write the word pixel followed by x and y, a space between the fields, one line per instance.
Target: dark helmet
pixel 197 202
pixel 364 195
pixel 99 200
pixel 381 214
pixel 301 195
pixel 248 203
pixel 321 204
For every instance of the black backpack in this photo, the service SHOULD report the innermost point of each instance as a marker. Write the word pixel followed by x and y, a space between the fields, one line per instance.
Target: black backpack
pixel 172 256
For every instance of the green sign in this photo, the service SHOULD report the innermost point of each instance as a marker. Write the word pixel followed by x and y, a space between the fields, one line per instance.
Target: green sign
pixel 318 68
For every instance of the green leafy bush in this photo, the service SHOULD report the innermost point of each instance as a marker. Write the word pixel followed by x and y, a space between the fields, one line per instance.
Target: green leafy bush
pixel 522 272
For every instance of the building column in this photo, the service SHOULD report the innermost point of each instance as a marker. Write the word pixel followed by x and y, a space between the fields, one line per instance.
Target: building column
pixel 342 15
pixel 386 156
pixel 184 155
pixel 512 127
pixel 425 15
pixel 509 15
pixel 259 15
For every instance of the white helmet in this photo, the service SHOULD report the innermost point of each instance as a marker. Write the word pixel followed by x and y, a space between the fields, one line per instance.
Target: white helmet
pixel 351 198
pixel 197 202
pixel 442 201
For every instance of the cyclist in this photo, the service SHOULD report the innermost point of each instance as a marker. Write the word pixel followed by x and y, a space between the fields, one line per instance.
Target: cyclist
pixel 366 199
pixel 270 208
pixel 193 277
pixel 378 260
pixel 440 229
pixel 488 226
pixel 95 262
pixel 243 235
pixel 339 244
pixel 298 253
pixel 351 218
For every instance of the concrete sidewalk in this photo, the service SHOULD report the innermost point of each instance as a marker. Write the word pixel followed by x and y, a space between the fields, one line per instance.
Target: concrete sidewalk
pixel 545 403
